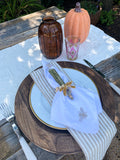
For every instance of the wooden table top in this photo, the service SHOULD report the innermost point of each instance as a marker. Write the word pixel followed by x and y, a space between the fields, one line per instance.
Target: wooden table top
pixel 20 29
pixel 111 68
pixel 53 140
pixel 11 35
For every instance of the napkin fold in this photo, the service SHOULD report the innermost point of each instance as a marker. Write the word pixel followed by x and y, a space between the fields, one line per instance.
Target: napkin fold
pixel 94 146
pixel 81 113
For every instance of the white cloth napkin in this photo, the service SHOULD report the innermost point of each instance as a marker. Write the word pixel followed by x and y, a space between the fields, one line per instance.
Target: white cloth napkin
pixel 78 113
pixel 94 146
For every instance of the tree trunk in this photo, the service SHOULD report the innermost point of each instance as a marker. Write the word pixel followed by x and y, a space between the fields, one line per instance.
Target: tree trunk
pixel 107 4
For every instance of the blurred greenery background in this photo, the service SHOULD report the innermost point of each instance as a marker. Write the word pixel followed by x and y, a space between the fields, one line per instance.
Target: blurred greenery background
pixel 10 9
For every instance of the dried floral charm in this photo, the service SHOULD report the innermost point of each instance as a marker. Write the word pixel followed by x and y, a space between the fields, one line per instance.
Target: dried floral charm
pixel 65 87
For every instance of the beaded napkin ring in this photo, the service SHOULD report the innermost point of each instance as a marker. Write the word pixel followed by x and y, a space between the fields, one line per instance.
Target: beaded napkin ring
pixel 65 87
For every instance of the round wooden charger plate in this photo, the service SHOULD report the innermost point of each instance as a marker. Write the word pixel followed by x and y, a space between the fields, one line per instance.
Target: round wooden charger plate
pixel 47 138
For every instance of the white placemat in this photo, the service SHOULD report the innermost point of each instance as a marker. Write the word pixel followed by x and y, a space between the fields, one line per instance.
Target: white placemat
pixel 18 61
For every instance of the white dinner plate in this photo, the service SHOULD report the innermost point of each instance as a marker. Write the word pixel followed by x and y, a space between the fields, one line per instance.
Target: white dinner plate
pixel 41 108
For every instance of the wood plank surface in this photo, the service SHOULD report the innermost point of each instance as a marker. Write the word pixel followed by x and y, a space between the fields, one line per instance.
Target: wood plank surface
pixel 51 139
pixel 8 140
pixel 40 154
pixel 10 148
pixel 20 29
pixel 111 69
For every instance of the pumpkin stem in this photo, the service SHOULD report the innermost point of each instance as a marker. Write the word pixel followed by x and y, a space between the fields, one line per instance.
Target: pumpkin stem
pixel 78 7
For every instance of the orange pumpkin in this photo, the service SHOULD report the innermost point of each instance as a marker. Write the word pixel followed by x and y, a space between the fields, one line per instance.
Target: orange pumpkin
pixel 77 23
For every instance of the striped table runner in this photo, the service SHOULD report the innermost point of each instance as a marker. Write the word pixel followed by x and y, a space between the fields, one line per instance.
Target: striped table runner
pixel 94 146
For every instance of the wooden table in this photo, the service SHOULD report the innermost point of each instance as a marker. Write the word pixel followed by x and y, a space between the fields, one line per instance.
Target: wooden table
pixel 20 29
pixel 11 34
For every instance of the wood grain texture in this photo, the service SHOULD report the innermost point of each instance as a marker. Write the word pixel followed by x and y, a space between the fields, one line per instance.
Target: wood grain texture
pixel 51 139
pixel 8 140
pixel 10 148
pixel 40 154
pixel 20 29
pixel 111 68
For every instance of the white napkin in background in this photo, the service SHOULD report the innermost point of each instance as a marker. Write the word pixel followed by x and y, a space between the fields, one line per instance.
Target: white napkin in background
pixel 78 113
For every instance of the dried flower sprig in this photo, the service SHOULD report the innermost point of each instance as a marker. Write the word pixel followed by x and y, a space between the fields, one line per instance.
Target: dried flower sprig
pixel 65 87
